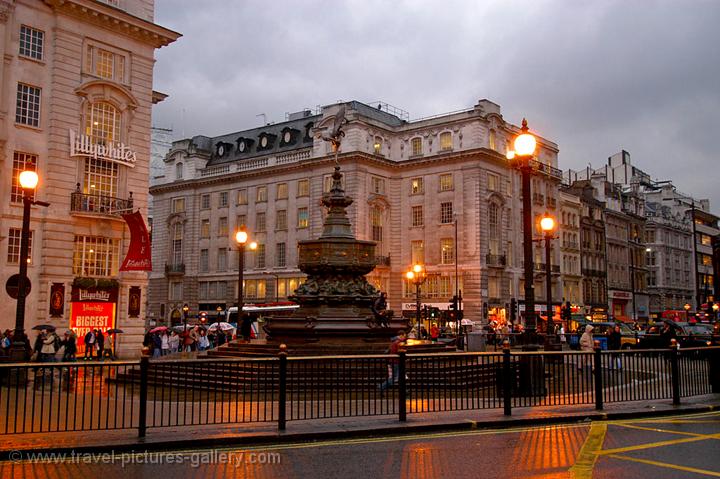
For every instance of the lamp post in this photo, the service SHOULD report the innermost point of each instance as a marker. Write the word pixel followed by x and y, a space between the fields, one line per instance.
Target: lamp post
pixel 241 238
pixel 687 311
pixel 547 224
pixel 417 276
pixel 524 145
pixel 185 308
pixel 715 308
pixel 28 180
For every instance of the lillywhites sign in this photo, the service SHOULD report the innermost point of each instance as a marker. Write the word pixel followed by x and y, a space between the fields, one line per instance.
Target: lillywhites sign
pixel 85 295
pixel 83 145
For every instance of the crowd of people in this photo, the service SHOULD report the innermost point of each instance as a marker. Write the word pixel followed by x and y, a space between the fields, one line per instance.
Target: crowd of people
pixel 165 341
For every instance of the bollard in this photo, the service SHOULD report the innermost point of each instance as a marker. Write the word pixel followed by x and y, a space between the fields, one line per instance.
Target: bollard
pixel 597 369
pixel 282 387
pixel 674 371
pixel 402 387
pixel 144 367
pixel 507 385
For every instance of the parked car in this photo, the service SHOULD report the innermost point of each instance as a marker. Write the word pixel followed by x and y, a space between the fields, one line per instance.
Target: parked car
pixel 601 329
pixel 688 335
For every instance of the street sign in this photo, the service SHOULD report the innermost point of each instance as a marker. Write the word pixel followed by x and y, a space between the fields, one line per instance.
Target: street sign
pixel 11 286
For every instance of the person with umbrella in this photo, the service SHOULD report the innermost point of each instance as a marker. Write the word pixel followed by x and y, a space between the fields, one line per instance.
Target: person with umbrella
pixel 246 327
pixel 100 341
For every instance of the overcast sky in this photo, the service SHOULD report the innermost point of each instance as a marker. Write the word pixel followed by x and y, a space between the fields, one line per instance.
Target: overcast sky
pixel 595 76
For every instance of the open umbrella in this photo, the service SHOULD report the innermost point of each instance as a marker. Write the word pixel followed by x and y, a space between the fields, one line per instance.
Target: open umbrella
pixel 118 331
pixel 158 329
pixel 222 325
pixel 40 327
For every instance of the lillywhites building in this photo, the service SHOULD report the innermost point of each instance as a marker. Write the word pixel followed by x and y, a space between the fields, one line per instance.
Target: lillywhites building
pixel 76 101
pixel 436 191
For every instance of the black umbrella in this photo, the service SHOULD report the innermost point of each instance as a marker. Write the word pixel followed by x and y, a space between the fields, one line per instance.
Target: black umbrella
pixel 40 327
pixel 115 331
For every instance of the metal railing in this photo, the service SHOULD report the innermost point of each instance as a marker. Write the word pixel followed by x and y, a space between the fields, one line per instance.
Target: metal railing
pixel 174 268
pixel 106 205
pixel 89 396
pixel 495 260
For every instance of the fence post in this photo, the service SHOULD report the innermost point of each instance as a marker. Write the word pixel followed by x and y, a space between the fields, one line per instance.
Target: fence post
pixel 714 370
pixel 674 371
pixel 402 387
pixel 597 369
pixel 144 366
pixel 506 384
pixel 282 387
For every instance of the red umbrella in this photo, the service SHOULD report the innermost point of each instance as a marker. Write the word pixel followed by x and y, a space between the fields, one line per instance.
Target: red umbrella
pixel 159 329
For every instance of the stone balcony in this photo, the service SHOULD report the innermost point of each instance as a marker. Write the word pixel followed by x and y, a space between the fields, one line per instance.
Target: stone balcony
pixel 92 204
pixel 495 260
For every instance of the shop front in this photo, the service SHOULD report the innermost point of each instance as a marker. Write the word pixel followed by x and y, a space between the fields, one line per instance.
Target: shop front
pixel 93 308
pixel 620 305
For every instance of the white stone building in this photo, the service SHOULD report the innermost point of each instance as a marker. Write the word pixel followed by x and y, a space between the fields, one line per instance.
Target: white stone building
pixel 411 181
pixel 80 69
pixel 569 237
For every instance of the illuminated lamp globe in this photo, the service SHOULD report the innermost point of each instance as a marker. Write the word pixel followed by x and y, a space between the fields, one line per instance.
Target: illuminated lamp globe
pixel 417 268
pixel 241 237
pixel 510 154
pixel 28 180
pixel 547 223
pixel 253 245
pixel 410 275
pixel 715 307
pixel 525 144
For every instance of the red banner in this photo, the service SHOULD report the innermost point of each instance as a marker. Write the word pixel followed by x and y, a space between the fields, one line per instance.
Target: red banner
pixel 138 256
pixel 87 316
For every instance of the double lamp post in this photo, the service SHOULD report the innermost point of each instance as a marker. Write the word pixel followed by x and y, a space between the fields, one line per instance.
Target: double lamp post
pixel 241 237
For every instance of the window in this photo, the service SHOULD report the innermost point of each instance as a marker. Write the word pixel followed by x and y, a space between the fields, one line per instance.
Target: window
pixel 27 107
pixel 302 215
pixel 327 183
pixel 31 42
pixel 446 182
pixel 222 228
pixel 106 64
pixel 242 198
pixel 377 185
pixel 102 124
pixel 101 177
pixel 95 256
pixel 492 140
pixel 417 215
pixel 493 182
pixel 416 186
pixel 705 239
pixel 377 146
pixel 223 201
pixel 179 171
pixel 205 228
pixel 280 255
pixel 303 187
pixel 282 191
pixel 260 256
pixel 176 291
pixel 260 222
pixel 376 224
pixel 261 194
pixel 21 162
pixel 281 220
pixel 446 212
pixel 222 259
pixel 205 202
pixel 493 287
pixel 177 239
pixel 446 141
pixel 417 252
pixel 447 251
pixel 416 146
pixel 494 228
pixel 204 263
pixel 13 252
pixel 178 205
pixel 241 222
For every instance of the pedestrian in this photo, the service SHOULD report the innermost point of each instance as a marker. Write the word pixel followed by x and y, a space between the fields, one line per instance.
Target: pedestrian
pixel 393 364
pixel 164 344
pixel 667 335
pixel 174 342
pixel 100 343
pixel 89 342
pixel 221 338
pixel 37 346
pixel 586 345
pixel 70 344
pixel 157 345
pixel 245 327
pixel 203 341
pixel 614 344
pixel 434 333
pixel 49 348
pixel 379 309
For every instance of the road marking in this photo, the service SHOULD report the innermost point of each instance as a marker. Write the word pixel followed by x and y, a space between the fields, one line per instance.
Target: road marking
pixel 585 462
pixel 651 445
pixel 666 465
pixel 655 429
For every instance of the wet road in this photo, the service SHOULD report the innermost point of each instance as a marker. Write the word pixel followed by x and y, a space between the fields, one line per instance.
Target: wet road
pixel 668 447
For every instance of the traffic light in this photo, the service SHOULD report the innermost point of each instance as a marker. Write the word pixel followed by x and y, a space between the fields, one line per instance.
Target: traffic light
pixel 513 310
pixel 203 317
pixel 454 303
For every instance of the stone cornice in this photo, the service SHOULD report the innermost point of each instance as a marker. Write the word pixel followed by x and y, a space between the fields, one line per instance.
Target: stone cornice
pixel 115 19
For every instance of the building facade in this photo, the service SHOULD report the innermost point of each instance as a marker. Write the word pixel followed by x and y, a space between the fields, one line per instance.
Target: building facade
pixel 437 192
pixel 569 236
pixel 75 106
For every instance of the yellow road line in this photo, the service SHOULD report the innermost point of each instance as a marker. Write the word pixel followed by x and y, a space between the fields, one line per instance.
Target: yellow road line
pixel 688 421
pixel 585 462
pixel 651 445
pixel 655 429
pixel 667 465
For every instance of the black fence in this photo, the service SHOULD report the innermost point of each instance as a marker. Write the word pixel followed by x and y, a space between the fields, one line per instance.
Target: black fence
pixel 89 396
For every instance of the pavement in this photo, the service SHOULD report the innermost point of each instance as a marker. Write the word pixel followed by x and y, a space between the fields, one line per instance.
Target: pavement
pixel 194 437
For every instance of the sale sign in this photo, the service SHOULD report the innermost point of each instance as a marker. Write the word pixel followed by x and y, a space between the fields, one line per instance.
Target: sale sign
pixel 87 316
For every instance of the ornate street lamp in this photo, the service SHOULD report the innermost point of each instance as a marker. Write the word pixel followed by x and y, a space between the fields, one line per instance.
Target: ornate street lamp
pixel 241 237
pixel 548 225
pixel 185 309
pixel 687 311
pixel 521 157
pixel 28 180
pixel 417 276
pixel 715 308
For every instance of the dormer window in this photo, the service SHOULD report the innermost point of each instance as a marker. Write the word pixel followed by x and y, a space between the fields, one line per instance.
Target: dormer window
pixel 308 130
pixel 288 136
pixel 222 149
pixel 244 144
pixel 265 141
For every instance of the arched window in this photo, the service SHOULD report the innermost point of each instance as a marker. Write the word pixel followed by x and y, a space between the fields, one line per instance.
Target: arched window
pixel 491 140
pixel 179 171
pixel 102 123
